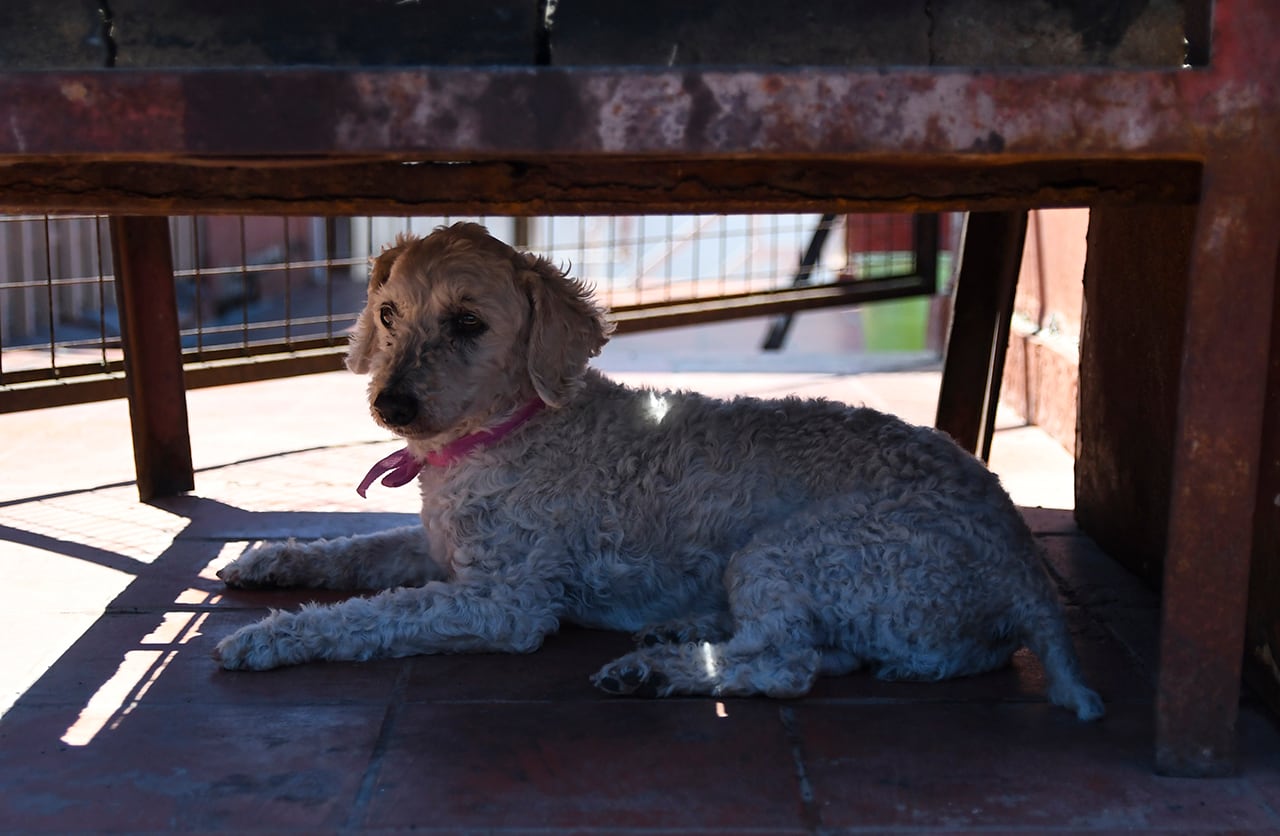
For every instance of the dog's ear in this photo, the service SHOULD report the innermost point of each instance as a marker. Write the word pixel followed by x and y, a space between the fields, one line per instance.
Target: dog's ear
pixel 365 334
pixel 567 328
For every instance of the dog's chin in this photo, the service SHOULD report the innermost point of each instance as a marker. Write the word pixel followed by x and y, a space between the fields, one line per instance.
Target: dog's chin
pixel 417 431
pixel 413 433
pixel 425 436
pixel 432 431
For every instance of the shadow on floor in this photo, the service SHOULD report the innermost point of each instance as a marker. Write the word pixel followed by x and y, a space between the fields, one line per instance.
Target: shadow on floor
pixel 135 728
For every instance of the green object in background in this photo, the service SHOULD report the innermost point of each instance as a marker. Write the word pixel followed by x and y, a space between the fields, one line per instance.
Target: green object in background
pixel 897 324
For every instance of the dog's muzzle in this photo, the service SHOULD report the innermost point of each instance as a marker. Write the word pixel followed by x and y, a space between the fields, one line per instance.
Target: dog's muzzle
pixel 395 408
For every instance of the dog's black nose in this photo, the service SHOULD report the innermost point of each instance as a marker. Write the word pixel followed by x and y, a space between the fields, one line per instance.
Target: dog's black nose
pixel 395 408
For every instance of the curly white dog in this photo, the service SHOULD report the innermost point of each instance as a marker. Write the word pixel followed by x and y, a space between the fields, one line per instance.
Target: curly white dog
pixel 752 545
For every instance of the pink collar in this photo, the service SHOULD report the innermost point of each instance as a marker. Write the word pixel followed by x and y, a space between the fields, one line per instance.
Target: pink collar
pixel 402 467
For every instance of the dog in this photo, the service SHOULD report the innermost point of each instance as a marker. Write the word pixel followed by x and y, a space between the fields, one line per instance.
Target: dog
pixel 750 545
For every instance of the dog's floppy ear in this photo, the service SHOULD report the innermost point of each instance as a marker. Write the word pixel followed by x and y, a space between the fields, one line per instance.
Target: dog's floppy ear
pixel 567 328
pixel 365 333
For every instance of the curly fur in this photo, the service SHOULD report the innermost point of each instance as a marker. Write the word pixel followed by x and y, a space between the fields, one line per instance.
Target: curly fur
pixel 751 545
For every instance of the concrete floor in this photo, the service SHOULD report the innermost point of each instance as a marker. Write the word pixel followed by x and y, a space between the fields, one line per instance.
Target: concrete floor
pixel 115 718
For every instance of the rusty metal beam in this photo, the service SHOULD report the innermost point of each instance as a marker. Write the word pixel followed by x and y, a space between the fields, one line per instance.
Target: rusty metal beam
pixel 921 115
pixel 1221 396
pixel 602 186
pixel 446 113
pixel 1217 447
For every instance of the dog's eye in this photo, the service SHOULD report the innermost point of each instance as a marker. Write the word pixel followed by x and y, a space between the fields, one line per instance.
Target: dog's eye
pixel 387 315
pixel 467 324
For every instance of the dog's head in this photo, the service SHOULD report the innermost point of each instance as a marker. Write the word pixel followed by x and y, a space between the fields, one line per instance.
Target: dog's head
pixel 459 327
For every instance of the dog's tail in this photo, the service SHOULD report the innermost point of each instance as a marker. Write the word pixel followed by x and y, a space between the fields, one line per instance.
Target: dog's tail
pixel 1044 631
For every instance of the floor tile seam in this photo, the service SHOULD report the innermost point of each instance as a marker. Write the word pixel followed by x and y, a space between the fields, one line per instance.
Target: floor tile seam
pixel 621 830
pixel 960 702
pixel 1023 829
pixel 213 704
pixel 1012 701
pixel 130 483
pixel 585 699
pixel 1068 589
pixel 1147 668
pixel 316 448
pixel 257 702
pixel 220 606
pixel 35 612
pixel 238 830
pixel 1152 609
pixel 810 809
pixel 164 609
pixel 1260 797
pixel 867 702
pixel 395 704
pixel 224 537
pixel 48 497
pixel 1094 613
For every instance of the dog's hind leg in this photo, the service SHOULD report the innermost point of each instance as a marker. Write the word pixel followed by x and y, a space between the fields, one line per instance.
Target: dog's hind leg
pixel 383 560
pixel 704 627
pixel 738 667
pixel 773 654
pixel 775 649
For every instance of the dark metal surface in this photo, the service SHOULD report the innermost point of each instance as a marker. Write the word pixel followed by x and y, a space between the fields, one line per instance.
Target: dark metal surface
pixel 991 257
pixel 599 186
pixel 213 33
pixel 1130 362
pixel 517 113
pixel 1217 448
pixel 980 33
pixel 1263 626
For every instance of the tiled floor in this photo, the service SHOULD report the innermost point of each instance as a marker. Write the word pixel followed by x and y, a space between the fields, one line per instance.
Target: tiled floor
pixel 118 720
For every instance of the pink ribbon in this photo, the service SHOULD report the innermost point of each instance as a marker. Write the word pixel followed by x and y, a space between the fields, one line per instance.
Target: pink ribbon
pixel 402 468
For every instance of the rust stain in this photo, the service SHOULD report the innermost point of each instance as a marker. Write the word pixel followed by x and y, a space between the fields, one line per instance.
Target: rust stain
pixel 75 91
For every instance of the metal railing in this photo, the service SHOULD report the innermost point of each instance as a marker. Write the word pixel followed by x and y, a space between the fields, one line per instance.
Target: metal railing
pixel 273 296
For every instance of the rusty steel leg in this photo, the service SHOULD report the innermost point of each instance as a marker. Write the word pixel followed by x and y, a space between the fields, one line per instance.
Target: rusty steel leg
pixel 153 355
pixel 1135 289
pixel 1216 452
pixel 970 392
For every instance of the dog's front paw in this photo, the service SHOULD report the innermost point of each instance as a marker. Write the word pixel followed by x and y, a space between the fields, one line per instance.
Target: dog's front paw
pixel 264 565
pixel 631 676
pixel 257 647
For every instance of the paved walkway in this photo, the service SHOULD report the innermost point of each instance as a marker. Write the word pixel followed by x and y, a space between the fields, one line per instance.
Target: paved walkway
pixel 115 718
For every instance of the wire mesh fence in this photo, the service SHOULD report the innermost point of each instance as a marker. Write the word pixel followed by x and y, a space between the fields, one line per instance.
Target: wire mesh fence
pixel 57 296
pixel 248 285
